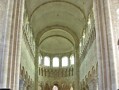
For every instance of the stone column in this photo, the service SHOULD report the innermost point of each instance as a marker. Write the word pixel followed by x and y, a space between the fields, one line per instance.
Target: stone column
pixel 36 68
pixel 60 61
pixel 90 85
pixel 21 84
pixel 42 62
pixel 105 45
pixel 95 84
pixel 114 14
pixel 10 42
pixel 76 70
pixel 69 61
pixel 5 23
pixel 51 61
pixel 25 87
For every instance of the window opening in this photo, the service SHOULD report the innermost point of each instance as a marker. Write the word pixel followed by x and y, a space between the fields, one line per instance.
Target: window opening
pixel 46 61
pixel 55 62
pixel 55 87
pixel 65 61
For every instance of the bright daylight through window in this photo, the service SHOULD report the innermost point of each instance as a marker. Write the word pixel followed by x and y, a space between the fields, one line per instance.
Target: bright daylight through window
pixel 46 61
pixel 65 61
pixel 55 62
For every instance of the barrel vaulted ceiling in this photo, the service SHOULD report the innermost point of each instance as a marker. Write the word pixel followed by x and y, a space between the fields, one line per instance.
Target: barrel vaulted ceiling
pixel 58 24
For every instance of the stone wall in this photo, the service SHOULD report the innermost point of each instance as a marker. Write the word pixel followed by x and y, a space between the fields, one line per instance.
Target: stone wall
pixel 27 60
pixel 5 17
pixel 62 77
pixel 89 61
pixel 89 69
pixel 27 67
pixel 114 35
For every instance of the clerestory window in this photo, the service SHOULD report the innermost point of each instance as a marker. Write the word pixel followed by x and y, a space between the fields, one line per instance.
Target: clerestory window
pixel 55 62
pixel 65 61
pixel 46 61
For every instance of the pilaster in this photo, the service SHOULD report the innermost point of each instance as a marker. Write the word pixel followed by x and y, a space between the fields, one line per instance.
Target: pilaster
pixel 21 84
pixel 6 9
pixel 104 41
pixel 10 43
pixel 76 70
pixel 36 68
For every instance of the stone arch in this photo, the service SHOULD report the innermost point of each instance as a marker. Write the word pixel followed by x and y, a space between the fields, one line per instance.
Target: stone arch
pixel 55 87
pixel 71 86
pixel 64 28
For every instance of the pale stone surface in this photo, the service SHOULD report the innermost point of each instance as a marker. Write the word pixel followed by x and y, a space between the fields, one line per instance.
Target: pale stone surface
pixel 27 60
pixel 3 42
pixel 89 61
pixel 15 50
pixel 114 5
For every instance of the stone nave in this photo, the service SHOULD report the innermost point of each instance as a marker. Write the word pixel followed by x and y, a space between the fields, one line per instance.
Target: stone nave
pixel 59 44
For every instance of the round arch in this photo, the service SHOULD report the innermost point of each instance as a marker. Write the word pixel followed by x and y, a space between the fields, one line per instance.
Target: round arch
pixel 49 2
pixel 64 28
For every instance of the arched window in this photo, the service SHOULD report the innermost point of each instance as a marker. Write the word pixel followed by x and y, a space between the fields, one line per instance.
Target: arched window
pixel 55 87
pixel 72 59
pixel 65 61
pixel 40 59
pixel 55 62
pixel 46 61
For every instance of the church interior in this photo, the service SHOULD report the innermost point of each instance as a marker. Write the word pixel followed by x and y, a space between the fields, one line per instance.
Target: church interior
pixel 59 44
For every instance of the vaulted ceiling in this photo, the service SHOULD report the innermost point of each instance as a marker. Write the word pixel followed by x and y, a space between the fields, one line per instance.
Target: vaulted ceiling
pixel 58 24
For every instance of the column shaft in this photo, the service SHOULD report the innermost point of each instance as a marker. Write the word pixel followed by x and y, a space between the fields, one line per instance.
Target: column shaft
pixel 106 62
pixel 76 70
pixel 36 68
pixel 11 44
pixel 5 24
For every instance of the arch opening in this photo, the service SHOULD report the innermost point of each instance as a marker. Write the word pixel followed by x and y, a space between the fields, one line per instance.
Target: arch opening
pixel 55 87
